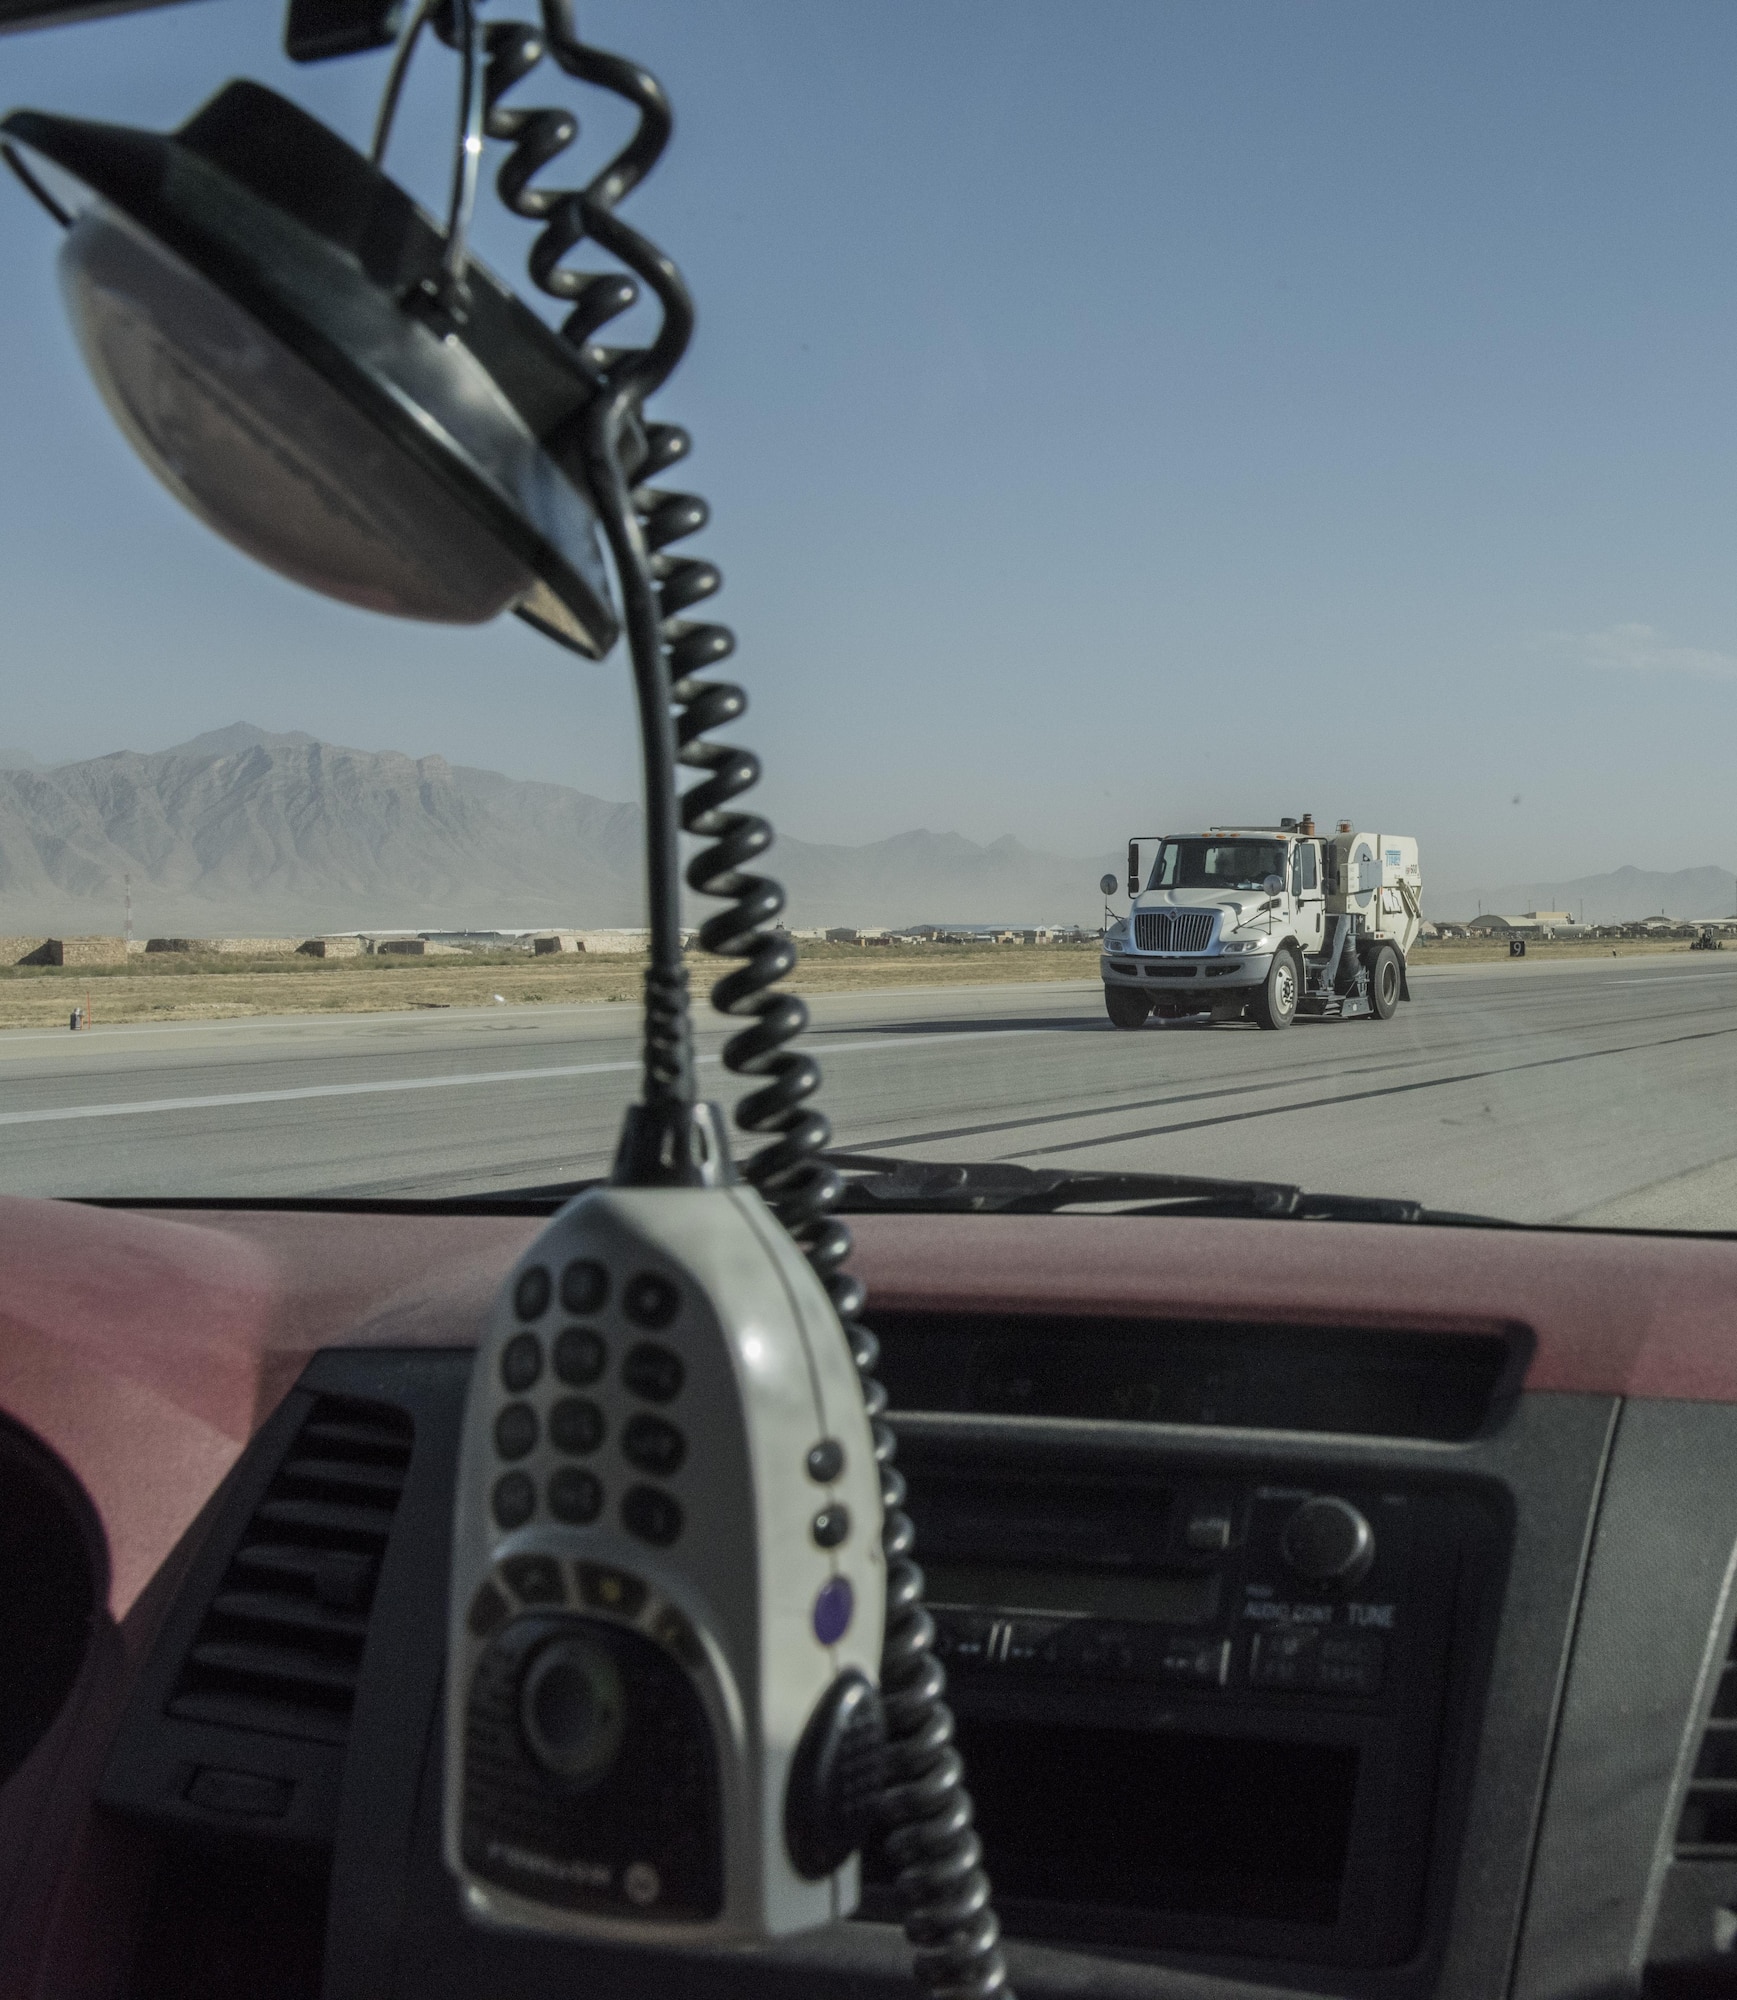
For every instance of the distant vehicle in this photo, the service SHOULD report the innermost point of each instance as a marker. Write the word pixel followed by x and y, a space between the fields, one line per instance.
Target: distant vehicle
pixel 1708 940
pixel 1264 923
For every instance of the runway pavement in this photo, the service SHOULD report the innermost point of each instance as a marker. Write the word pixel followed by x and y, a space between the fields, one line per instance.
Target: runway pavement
pixel 1593 1091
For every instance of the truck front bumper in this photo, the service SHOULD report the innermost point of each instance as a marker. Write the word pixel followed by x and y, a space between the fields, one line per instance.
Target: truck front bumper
pixel 1176 978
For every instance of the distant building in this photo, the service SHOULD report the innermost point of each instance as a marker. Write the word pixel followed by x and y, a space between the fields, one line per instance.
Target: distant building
pixel 1531 923
pixel 75 951
pixel 610 943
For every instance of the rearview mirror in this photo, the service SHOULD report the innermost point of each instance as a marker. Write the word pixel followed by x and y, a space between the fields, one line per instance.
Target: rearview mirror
pixel 1273 884
pixel 1106 885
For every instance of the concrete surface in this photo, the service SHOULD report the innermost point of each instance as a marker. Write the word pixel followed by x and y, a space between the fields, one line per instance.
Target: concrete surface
pixel 1588 1091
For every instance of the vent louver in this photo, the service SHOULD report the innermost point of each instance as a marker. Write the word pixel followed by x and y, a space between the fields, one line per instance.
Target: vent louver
pixel 280 1647
pixel 1707 1828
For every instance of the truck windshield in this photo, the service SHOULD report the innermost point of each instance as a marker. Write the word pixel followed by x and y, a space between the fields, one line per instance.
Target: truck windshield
pixel 1216 864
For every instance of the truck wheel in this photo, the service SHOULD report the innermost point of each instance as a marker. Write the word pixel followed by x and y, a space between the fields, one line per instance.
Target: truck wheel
pixel 1125 1007
pixel 1275 1005
pixel 1386 976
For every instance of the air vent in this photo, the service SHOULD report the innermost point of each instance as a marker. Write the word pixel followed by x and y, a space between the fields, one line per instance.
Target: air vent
pixel 1707 1829
pixel 280 1648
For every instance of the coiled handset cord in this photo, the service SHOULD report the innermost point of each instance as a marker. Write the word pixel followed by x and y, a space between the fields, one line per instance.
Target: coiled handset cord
pixel 943 1892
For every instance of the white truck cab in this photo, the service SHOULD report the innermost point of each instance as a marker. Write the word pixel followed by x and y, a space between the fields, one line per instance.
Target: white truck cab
pixel 1263 923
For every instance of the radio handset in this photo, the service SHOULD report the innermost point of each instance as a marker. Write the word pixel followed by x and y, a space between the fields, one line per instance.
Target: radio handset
pixel 672 1567
pixel 668 1588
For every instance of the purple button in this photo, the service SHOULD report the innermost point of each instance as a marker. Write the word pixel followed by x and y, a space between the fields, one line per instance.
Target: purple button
pixel 832 1609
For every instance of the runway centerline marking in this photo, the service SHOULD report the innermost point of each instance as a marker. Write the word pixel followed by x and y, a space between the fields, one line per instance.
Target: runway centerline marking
pixel 55 1113
pixel 60 1113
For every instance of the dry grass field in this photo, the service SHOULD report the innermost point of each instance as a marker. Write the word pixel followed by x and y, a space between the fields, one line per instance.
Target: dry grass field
pixel 1480 951
pixel 187 987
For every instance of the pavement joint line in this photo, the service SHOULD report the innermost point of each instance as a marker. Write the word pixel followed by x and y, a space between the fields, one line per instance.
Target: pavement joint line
pixel 1276 1082
pixel 1360 1096
pixel 1325 1071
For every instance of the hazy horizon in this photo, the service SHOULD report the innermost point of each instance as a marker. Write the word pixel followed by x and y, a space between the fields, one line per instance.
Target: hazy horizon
pixel 1695 890
pixel 1114 417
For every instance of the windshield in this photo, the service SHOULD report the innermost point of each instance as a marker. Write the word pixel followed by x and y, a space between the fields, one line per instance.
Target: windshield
pixel 1217 864
pixel 1352 489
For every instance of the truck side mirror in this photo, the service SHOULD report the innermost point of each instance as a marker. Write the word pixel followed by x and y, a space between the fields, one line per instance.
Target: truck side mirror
pixel 1133 868
pixel 1107 885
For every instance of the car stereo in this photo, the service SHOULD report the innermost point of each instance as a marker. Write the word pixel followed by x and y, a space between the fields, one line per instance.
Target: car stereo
pixel 1208 1711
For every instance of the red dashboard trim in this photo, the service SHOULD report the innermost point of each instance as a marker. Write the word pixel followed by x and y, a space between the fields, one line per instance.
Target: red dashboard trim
pixel 146 1348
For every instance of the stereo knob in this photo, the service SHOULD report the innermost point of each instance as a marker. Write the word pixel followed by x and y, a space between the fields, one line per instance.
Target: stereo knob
pixel 1328 1541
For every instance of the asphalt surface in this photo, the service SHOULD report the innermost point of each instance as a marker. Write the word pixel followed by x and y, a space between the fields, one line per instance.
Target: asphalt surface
pixel 1602 1092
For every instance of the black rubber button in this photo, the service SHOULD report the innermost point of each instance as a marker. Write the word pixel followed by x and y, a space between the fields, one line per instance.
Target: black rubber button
pixel 653 1372
pixel 650 1301
pixel 515 1500
pixel 830 1527
pixel 521 1363
pixel 671 1629
pixel 488 1609
pixel 579 1356
pixel 532 1293
pixel 535 1579
pixel 516 1430
pixel 825 1461
pixel 575 1495
pixel 654 1445
pixel 584 1286
pixel 606 1589
pixel 576 1424
pixel 653 1516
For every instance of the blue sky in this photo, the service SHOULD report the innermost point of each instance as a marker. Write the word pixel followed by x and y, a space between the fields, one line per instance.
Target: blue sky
pixel 1115 416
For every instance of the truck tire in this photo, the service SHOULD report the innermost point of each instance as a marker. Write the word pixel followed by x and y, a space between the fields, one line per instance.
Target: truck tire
pixel 1125 1007
pixel 1275 1005
pixel 1386 978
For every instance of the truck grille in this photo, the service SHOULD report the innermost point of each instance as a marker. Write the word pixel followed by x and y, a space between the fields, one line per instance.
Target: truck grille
pixel 1172 930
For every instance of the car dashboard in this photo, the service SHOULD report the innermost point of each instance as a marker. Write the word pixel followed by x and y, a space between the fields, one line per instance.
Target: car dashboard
pixel 1327 1608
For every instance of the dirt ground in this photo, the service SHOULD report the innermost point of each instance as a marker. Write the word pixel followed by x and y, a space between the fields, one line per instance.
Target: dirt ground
pixel 186 987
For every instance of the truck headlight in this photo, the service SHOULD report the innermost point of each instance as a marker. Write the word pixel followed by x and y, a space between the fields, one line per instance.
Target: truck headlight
pixel 1116 938
pixel 1243 944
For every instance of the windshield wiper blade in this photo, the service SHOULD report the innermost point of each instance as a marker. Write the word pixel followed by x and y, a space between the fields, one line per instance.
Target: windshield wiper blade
pixel 877 1183
pixel 998 1187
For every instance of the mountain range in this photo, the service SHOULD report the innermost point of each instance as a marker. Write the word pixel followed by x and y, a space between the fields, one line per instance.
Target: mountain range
pixel 244 832
pixel 249 833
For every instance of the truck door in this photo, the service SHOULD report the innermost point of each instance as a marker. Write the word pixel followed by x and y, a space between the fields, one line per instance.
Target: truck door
pixel 1307 894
